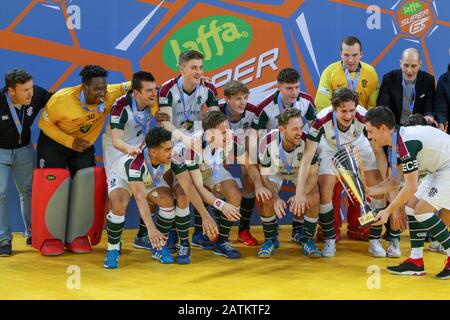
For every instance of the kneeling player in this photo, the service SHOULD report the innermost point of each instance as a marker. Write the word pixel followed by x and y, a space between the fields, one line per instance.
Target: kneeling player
pixel 280 154
pixel 340 124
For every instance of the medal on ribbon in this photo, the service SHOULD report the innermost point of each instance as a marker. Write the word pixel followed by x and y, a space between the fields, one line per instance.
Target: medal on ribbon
pixel 155 174
pixel 352 84
pixel 100 107
pixel 187 108
pixel 17 121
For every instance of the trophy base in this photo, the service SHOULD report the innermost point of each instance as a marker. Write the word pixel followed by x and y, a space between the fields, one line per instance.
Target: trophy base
pixel 366 219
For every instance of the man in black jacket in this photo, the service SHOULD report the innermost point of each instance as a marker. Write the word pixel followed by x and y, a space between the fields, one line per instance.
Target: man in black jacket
pixel 408 90
pixel 442 102
pixel 20 103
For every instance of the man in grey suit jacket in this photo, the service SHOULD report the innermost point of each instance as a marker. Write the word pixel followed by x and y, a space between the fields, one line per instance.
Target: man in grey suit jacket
pixel 408 90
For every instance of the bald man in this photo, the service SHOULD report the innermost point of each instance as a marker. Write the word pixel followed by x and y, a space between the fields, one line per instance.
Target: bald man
pixel 408 90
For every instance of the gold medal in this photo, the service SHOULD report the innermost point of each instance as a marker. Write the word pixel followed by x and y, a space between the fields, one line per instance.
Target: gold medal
pixel 218 187
pixel 20 140
pixel 154 194
pixel 187 125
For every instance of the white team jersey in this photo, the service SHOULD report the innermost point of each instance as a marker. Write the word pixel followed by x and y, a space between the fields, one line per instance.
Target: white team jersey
pixel 268 111
pixel 247 117
pixel 423 148
pixel 272 161
pixel 324 126
pixel 170 96
pixel 122 118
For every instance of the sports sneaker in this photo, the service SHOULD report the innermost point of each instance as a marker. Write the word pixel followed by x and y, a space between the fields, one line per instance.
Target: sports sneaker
pixel 435 246
pixel 172 241
pixel 80 245
pixel 29 242
pixel 445 274
pixel 276 242
pixel 163 256
pixel 142 243
pixel 226 250
pixel 5 248
pixel 297 235
pixel 111 259
pixel 201 241
pixel 52 247
pixel 266 250
pixel 310 249
pixel 410 267
pixel 329 248
pixel 376 249
pixel 393 251
pixel 246 238
pixel 184 254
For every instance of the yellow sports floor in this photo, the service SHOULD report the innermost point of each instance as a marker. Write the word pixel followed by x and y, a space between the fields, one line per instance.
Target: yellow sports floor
pixel 287 275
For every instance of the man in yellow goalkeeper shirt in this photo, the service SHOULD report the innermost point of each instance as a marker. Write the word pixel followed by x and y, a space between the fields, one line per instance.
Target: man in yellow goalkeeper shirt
pixel 71 123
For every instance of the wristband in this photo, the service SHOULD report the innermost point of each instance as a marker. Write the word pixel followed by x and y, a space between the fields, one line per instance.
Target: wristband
pixel 218 204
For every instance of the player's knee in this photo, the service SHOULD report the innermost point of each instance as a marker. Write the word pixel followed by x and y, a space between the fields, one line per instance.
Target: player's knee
pixel 314 198
pixel 182 200
pixel 119 204
pixel 165 200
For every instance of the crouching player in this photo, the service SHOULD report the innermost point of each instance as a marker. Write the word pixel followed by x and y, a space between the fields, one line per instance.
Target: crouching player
pixel 339 125
pixel 280 155
pixel 211 179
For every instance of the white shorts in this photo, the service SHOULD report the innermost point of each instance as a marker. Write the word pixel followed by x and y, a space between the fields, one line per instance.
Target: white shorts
pixel 116 181
pixel 278 180
pixel 209 181
pixel 435 189
pixel 362 145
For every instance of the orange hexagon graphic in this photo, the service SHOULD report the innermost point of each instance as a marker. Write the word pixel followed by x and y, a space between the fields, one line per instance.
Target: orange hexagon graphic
pixel 415 18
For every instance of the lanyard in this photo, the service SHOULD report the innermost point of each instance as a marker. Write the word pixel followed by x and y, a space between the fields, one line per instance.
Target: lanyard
pixel 100 107
pixel 336 131
pixel 408 93
pixel 352 84
pixel 142 118
pixel 156 175
pixel 233 125
pixel 281 108
pixel 189 107
pixel 393 154
pixel 214 161
pixel 283 157
pixel 13 111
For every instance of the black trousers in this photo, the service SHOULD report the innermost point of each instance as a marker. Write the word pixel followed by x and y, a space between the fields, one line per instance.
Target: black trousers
pixel 51 154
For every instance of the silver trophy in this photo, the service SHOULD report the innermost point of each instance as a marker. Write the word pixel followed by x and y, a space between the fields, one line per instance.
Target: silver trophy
pixel 345 164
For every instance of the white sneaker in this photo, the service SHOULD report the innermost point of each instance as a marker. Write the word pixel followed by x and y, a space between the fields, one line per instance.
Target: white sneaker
pixel 329 248
pixel 393 251
pixel 376 249
pixel 435 246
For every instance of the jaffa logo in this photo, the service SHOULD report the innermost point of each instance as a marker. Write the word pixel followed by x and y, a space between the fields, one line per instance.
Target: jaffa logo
pixel 221 39
pixel 415 18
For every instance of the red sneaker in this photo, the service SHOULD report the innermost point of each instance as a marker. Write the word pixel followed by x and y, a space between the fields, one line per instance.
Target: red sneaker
pixel 79 245
pixel 53 247
pixel 246 238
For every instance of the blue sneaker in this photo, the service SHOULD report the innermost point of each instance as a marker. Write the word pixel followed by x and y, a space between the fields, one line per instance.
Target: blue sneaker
pixel 111 259
pixel 163 256
pixel 142 243
pixel 184 254
pixel 310 249
pixel 201 241
pixel 276 242
pixel 225 249
pixel 297 236
pixel 172 241
pixel 266 250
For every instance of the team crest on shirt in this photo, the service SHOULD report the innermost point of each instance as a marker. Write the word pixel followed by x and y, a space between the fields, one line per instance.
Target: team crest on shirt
pixel 364 83
pixel 199 100
pixel 85 129
pixel 299 156
pixel 433 191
